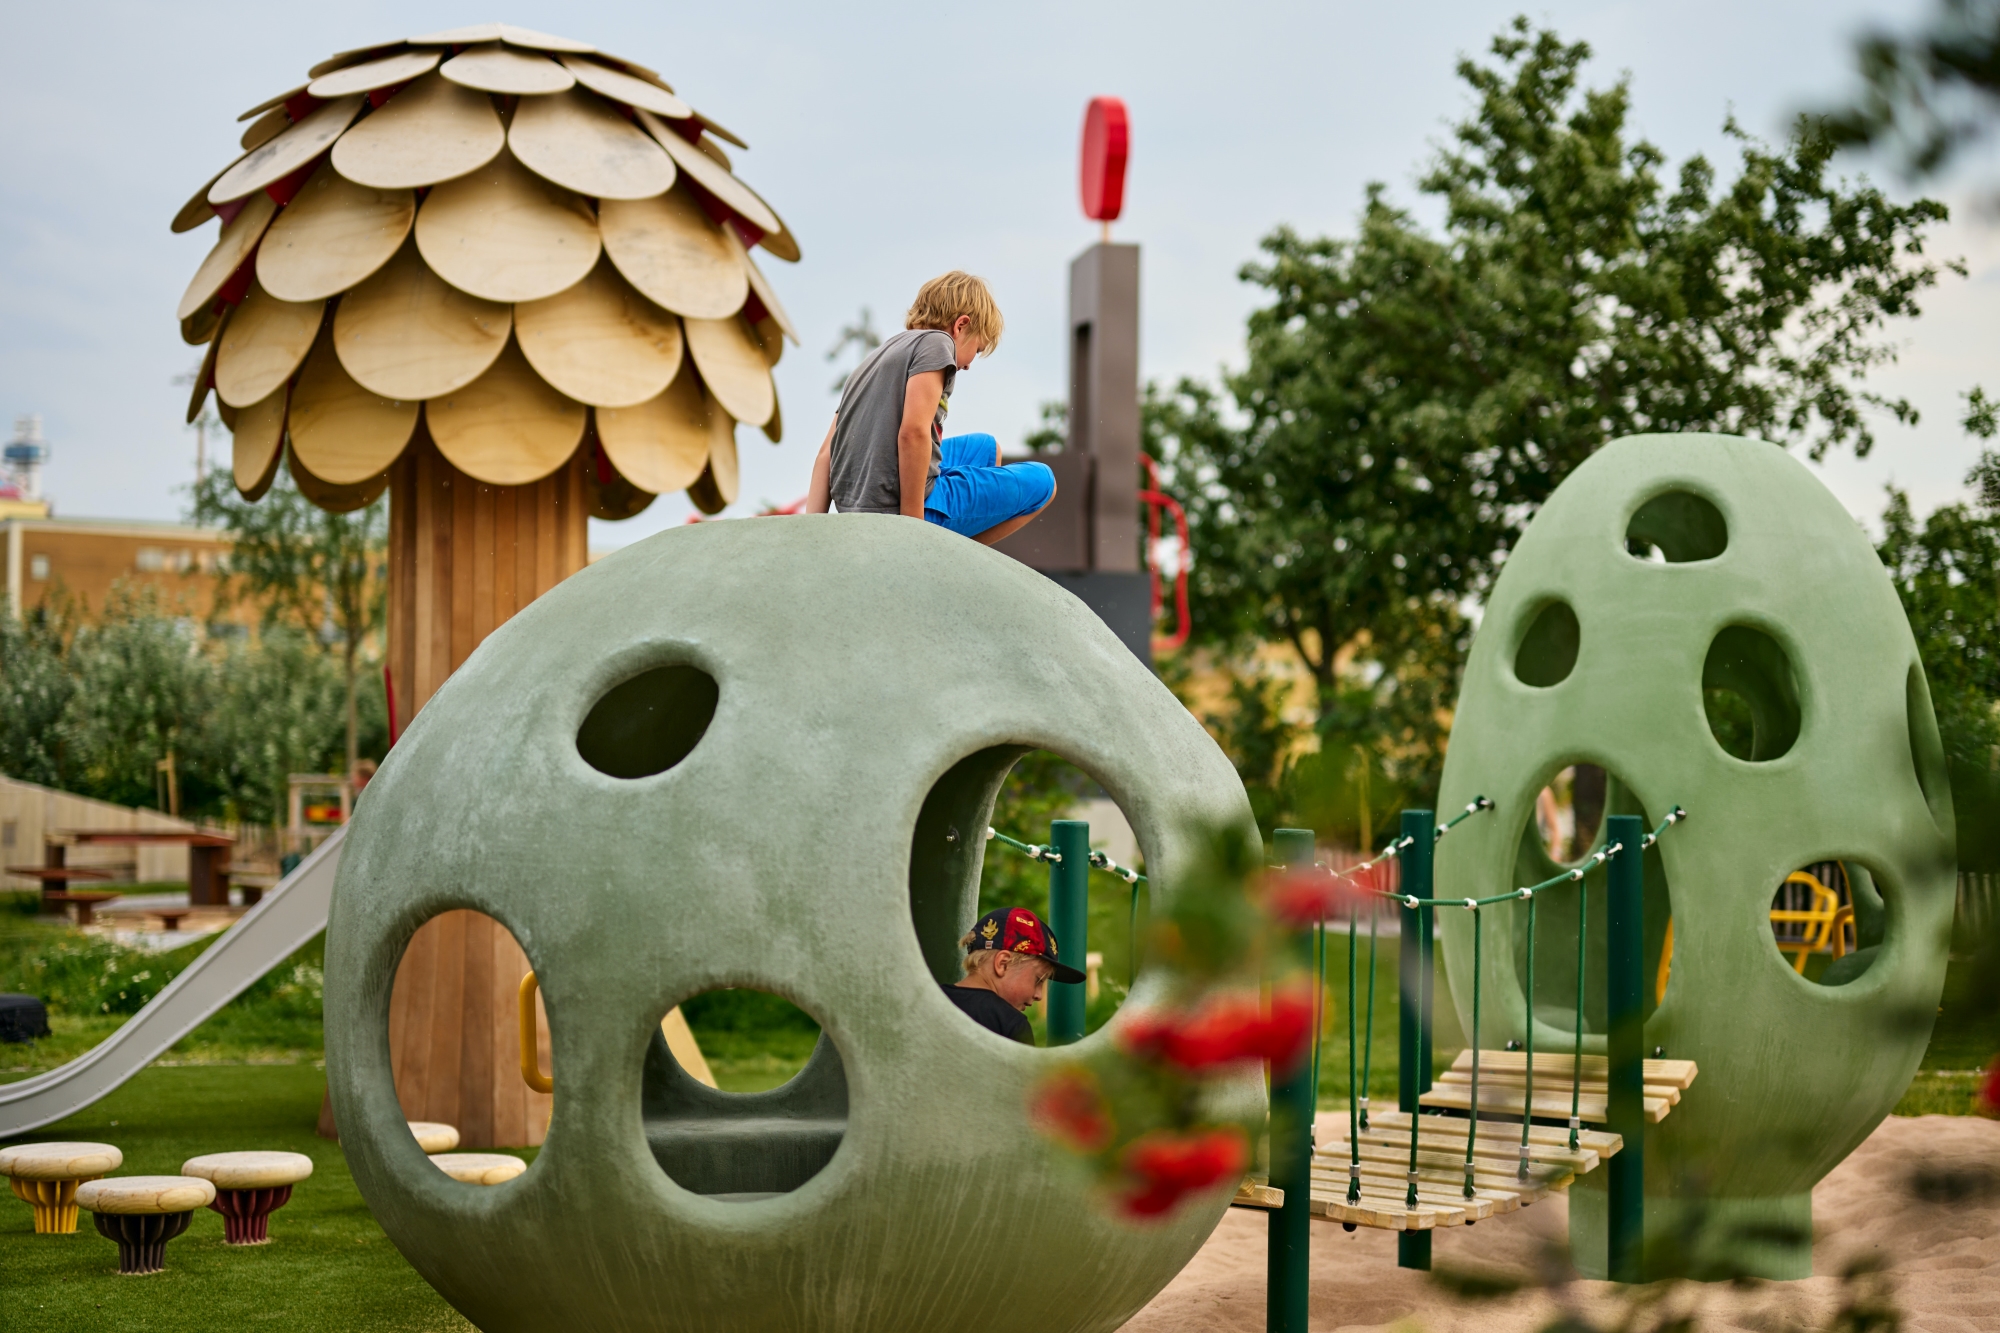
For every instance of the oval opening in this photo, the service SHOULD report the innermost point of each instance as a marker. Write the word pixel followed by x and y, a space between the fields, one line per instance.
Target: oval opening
pixel 1677 527
pixel 772 1110
pixel 1750 695
pixel 1548 650
pixel 957 875
pixel 1566 826
pixel 462 971
pixel 649 723
pixel 1926 747
pixel 1828 921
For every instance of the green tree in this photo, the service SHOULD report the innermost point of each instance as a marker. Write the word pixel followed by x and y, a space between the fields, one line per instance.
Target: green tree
pixel 1929 93
pixel 1946 568
pixel 142 695
pixel 35 691
pixel 322 573
pixel 1410 399
pixel 279 710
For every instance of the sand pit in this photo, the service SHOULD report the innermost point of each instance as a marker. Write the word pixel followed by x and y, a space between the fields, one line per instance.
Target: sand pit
pixel 1943 1258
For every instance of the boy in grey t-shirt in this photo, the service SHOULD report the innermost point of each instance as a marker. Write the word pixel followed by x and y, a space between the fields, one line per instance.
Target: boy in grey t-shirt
pixel 886 451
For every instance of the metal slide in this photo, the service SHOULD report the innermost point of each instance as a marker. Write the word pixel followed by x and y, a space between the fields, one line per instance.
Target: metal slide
pixel 287 918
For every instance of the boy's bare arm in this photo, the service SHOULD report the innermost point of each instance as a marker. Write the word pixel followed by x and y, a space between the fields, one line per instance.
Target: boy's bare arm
pixel 913 439
pixel 819 496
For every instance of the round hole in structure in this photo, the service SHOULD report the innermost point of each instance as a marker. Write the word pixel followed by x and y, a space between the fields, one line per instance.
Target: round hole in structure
pixel 1548 650
pixel 1828 921
pixel 743 1096
pixel 958 874
pixel 1569 813
pixel 464 972
pixel 1568 822
pixel 648 723
pixel 1676 527
pixel 1750 695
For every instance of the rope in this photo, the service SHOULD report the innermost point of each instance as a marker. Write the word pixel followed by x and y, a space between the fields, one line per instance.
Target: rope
pixel 1368 1031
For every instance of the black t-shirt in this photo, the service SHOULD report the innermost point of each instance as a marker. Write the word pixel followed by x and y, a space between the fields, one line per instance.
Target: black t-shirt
pixel 991 1012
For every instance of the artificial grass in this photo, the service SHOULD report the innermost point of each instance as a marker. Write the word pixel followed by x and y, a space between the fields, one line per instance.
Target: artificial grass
pixel 328 1265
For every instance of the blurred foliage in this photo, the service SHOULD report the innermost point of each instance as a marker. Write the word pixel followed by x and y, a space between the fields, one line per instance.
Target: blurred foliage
pixel 1411 397
pixel 94 707
pixel 1927 94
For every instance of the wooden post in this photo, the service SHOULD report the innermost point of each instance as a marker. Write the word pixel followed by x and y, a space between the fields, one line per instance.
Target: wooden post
pixel 1624 980
pixel 1418 981
pixel 464 556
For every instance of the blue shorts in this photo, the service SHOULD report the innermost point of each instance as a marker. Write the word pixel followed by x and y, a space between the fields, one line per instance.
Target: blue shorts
pixel 973 493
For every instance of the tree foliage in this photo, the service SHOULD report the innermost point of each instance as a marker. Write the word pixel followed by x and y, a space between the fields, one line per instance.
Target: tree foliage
pixel 95 707
pixel 321 573
pixel 1411 398
pixel 1927 94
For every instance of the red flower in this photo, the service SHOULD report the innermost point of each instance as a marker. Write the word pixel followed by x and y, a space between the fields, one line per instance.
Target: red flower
pixel 1300 898
pixel 1164 1167
pixel 1069 1108
pixel 1288 1031
pixel 1988 1100
pixel 1227 1028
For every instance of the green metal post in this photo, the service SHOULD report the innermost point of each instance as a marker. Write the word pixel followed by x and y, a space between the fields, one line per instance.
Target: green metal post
pixel 1625 1014
pixel 1413 1074
pixel 1069 915
pixel 1288 1250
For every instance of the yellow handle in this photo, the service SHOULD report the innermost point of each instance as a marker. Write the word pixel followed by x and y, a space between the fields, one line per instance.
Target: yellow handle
pixel 531 1055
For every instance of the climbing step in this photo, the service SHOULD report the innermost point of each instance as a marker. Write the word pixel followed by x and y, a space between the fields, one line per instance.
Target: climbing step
pixel 1503 1086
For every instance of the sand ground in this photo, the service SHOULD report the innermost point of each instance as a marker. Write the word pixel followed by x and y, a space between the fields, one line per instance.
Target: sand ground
pixel 1941 1258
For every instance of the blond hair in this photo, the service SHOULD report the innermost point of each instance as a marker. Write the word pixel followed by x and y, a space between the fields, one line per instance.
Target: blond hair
pixel 942 300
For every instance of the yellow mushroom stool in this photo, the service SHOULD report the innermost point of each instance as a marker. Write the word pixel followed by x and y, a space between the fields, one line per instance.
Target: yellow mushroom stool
pixel 45 1175
pixel 249 1187
pixel 434 1137
pixel 479 1168
pixel 143 1213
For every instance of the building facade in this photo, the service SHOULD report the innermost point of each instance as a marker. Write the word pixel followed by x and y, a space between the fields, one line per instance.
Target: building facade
pixel 82 558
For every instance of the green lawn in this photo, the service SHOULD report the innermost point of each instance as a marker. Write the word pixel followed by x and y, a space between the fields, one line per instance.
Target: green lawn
pixel 328 1265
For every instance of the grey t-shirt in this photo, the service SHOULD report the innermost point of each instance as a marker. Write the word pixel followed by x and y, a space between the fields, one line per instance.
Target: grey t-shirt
pixel 863 478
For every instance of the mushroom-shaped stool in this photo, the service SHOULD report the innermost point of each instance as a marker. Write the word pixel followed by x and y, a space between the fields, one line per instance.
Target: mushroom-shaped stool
pixel 479 1168
pixel 249 1187
pixel 433 1137
pixel 143 1213
pixel 46 1175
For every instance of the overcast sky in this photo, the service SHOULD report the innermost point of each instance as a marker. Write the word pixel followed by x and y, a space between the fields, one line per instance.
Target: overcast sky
pixel 898 140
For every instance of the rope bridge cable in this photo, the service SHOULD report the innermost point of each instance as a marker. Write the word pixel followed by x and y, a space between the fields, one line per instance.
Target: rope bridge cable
pixel 1529 894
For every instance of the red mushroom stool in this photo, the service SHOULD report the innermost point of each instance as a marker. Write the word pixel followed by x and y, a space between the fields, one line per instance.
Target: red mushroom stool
pixel 433 1137
pixel 249 1187
pixel 479 1168
pixel 143 1213
pixel 45 1175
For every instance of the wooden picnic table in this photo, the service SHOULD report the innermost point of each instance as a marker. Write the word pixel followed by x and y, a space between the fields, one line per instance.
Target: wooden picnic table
pixel 55 879
pixel 208 855
pixel 86 902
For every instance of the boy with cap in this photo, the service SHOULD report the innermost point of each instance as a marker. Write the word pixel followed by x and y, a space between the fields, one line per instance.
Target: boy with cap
pixel 1010 957
pixel 886 451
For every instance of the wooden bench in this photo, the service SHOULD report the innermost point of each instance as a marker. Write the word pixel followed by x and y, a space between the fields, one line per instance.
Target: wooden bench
pixel 46 1176
pixel 86 902
pixel 1503 1086
pixel 249 1187
pixel 143 1213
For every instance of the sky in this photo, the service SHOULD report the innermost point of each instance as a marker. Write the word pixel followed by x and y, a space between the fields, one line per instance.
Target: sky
pixel 899 140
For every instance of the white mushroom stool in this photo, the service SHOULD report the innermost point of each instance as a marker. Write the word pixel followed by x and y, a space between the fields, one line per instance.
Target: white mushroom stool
pixel 45 1176
pixel 143 1213
pixel 433 1137
pixel 249 1187
pixel 479 1168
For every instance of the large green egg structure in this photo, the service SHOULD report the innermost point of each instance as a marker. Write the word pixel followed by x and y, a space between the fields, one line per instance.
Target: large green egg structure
pixel 759 754
pixel 1698 617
